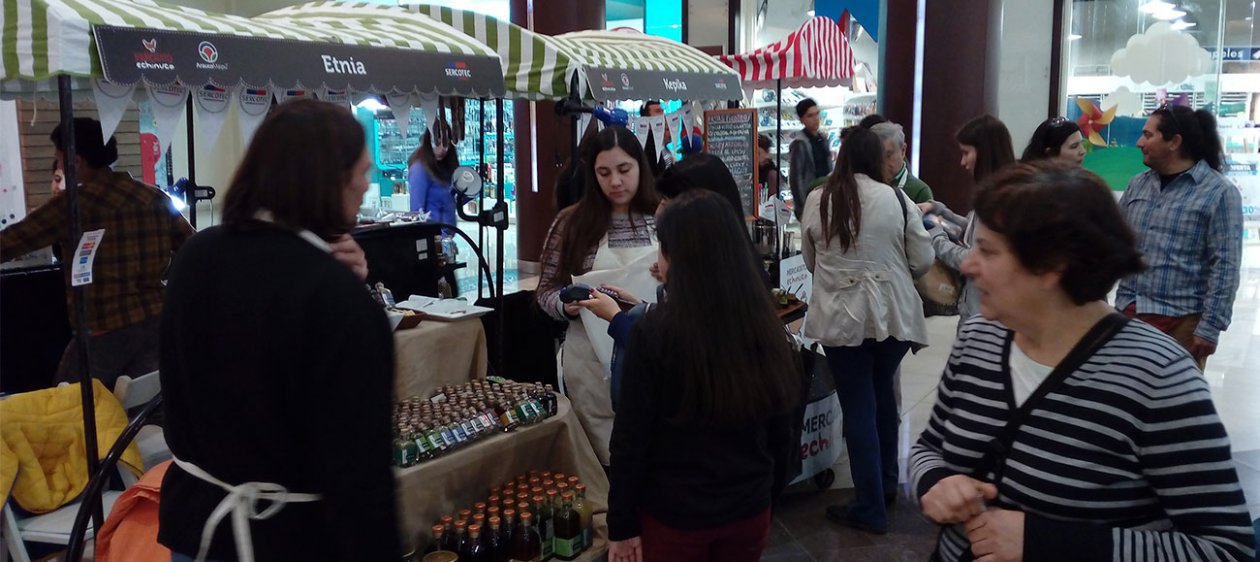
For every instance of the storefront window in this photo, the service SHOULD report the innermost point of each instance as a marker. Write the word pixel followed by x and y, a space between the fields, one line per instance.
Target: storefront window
pixel 1134 55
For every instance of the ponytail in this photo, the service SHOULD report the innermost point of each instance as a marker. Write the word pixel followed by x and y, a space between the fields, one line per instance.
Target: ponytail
pixel 1210 145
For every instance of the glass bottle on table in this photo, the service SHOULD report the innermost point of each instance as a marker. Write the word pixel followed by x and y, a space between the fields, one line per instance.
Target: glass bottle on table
pixel 435 544
pixel 526 545
pixel 546 531
pixel 450 540
pixel 473 550
pixel 567 543
pixel 583 508
pixel 494 539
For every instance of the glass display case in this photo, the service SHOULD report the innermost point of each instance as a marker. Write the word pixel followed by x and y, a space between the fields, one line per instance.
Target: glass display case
pixel 390 149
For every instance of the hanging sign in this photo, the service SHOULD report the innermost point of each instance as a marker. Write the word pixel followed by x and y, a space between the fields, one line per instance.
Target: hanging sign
pixel 129 55
pixel 731 134
pixel 627 84
pixel 112 101
pixel 168 109
pixel 253 104
pixel 211 103
pixel 400 103
pixel 641 127
pixel 339 97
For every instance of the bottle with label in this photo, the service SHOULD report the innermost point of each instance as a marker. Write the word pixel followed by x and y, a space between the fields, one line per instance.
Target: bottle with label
pixel 546 531
pixel 526 545
pixel 584 513
pixel 405 451
pixel 568 529
pixel 422 443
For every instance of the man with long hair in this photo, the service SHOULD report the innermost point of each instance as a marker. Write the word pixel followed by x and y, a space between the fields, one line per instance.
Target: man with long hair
pixel 1188 219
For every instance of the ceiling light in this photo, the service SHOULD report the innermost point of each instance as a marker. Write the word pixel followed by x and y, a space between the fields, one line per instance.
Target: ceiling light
pixel 1156 6
pixel 1074 37
pixel 810 13
pixel 1169 14
pixel 1183 24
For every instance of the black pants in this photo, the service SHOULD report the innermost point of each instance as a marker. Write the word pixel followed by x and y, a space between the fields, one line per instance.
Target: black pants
pixel 130 351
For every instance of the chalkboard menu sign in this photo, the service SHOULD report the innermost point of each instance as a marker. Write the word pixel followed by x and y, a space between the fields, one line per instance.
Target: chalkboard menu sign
pixel 731 134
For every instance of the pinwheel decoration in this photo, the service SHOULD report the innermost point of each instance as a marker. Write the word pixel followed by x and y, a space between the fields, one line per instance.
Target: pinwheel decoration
pixel 1093 120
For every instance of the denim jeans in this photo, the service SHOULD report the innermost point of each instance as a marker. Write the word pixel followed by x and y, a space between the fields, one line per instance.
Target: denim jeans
pixel 865 379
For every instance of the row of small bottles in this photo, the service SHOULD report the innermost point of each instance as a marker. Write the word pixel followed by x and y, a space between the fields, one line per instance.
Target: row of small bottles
pixel 539 516
pixel 456 416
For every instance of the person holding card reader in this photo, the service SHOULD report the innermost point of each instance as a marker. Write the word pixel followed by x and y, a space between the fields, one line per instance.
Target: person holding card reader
pixel 607 237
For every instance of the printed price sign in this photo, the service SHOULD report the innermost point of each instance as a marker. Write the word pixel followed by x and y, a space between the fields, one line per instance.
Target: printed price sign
pixel 795 278
pixel 84 256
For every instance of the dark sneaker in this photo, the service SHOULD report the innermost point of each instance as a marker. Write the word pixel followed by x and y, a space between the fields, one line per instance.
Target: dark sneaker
pixel 840 514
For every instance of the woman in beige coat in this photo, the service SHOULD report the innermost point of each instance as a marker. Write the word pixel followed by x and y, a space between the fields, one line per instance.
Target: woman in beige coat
pixel 865 244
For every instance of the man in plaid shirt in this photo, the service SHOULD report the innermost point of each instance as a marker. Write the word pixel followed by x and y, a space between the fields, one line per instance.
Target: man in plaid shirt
pixel 142 232
pixel 1188 220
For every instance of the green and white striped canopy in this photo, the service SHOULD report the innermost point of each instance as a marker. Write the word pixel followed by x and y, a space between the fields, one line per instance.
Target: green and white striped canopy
pixel 40 39
pixel 369 24
pixel 534 67
pixel 632 65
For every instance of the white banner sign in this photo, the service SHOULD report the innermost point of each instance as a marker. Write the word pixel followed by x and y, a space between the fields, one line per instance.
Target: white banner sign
pixel 253 104
pixel 400 103
pixel 658 129
pixel 112 101
pixel 795 278
pixel 339 97
pixel 821 437
pixel 641 126
pixel 168 109
pixel 212 104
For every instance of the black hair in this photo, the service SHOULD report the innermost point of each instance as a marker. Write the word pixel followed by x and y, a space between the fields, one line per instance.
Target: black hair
pixel 992 141
pixel 1048 139
pixel 717 332
pixel 647 106
pixel 803 106
pixel 872 120
pixel 841 207
pixel 301 193
pixel 701 171
pixel 443 169
pixel 88 143
pixel 1061 217
pixel 1199 137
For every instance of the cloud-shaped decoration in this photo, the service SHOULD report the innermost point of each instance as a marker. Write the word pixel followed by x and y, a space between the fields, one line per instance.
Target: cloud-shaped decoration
pixel 1161 55
pixel 1125 101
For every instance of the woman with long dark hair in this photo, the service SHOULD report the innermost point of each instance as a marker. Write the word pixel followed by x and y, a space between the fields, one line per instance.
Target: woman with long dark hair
pixel 704 424
pixel 865 243
pixel 985 144
pixel 608 236
pixel 270 350
pixel 1056 138
pixel 429 171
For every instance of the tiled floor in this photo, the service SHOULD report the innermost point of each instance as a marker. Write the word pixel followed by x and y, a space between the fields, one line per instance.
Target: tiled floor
pixel 802 533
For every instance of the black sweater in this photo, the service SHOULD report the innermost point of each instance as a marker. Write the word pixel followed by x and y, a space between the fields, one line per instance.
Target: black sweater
pixel 686 477
pixel 277 367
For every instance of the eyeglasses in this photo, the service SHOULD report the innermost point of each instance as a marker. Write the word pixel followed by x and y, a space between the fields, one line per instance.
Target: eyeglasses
pixel 1169 116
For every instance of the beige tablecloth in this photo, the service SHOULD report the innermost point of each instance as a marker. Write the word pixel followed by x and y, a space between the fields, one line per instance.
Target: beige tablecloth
pixel 437 353
pixel 460 479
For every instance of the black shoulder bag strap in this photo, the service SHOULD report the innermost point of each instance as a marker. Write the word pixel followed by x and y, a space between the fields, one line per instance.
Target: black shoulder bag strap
pixel 994 458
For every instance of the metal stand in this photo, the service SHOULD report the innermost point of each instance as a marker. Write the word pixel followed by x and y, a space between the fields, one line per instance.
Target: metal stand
pixel 82 332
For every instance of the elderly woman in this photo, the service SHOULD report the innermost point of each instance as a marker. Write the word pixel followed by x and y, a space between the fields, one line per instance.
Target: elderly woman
pixel 1063 431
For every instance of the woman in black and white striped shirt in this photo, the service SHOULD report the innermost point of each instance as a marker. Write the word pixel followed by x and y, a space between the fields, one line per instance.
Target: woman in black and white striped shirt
pixel 1125 459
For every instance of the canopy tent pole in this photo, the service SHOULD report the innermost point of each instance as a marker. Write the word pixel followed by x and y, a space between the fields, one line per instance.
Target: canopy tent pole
pixel 500 223
pixel 481 193
pixel 82 332
pixel 190 190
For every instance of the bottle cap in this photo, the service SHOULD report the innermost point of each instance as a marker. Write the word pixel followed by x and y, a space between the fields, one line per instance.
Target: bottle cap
pixel 526 516
pixel 474 529
pixel 448 519
pixel 551 494
pixel 460 524
pixel 573 480
pixel 437 529
pixel 479 506
pixel 495 520
pixel 465 514
pixel 567 496
pixel 580 487
pixel 510 514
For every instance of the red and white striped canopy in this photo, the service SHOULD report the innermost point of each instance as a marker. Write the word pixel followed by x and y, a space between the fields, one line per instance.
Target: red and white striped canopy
pixel 817 54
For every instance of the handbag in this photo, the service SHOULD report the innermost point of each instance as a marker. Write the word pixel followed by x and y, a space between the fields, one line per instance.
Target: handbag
pixel 941 286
